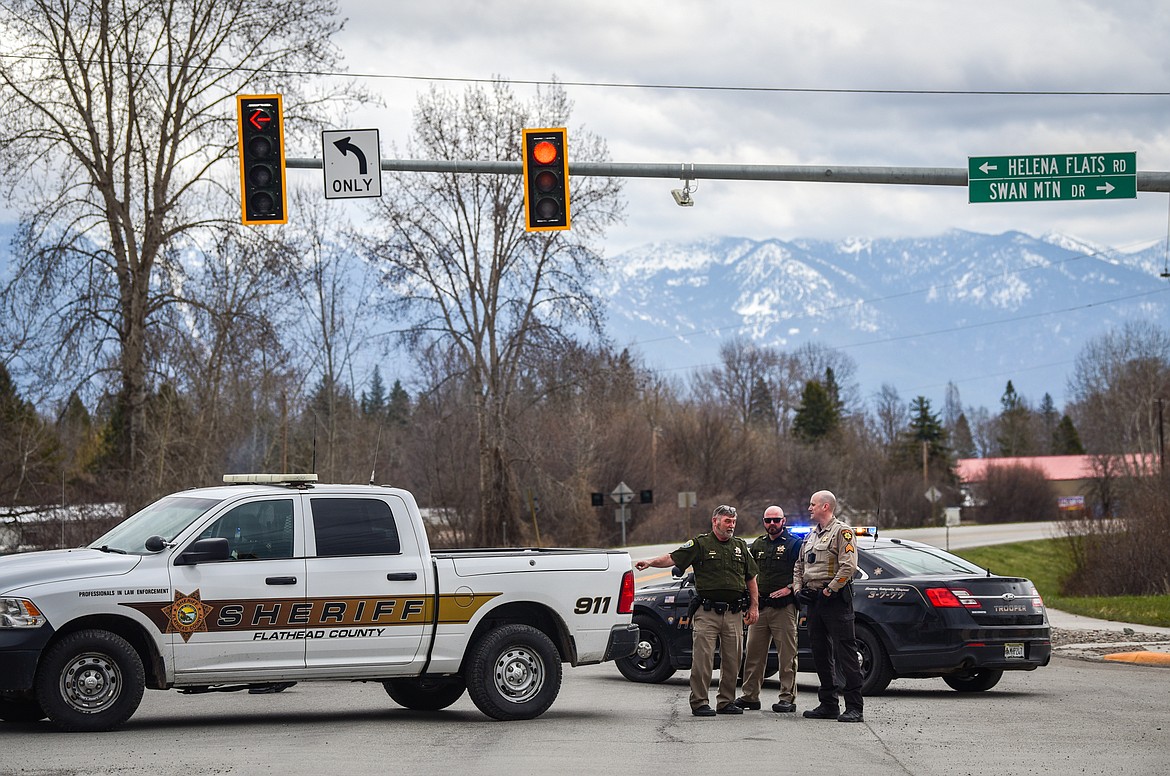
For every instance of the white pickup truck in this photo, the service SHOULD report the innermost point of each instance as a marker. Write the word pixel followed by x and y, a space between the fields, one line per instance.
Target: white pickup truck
pixel 275 579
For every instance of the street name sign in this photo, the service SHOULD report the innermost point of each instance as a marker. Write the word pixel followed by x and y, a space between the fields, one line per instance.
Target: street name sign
pixel 353 163
pixel 1051 177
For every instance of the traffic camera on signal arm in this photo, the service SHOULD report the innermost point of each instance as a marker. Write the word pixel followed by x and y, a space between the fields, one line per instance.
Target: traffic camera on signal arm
pixel 546 180
pixel 262 187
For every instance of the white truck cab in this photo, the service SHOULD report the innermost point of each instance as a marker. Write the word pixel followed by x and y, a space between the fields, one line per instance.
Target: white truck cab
pixel 273 579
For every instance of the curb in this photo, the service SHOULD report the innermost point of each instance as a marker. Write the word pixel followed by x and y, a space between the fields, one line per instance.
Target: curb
pixel 1134 653
pixel 1145 658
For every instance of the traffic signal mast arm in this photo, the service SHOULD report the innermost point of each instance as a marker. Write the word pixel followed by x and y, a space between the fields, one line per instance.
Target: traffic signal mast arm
pixel 912 176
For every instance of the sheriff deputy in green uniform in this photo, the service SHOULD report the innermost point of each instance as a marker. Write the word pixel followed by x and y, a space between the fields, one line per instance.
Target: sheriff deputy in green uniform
pixel 823 579
pixel 726 598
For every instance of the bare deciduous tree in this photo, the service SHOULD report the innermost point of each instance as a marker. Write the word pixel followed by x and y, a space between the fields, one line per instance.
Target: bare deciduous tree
pixel 113 116
pixel 469 277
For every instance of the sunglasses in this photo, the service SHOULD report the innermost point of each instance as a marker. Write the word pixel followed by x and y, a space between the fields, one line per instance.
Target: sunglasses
pixel 773 520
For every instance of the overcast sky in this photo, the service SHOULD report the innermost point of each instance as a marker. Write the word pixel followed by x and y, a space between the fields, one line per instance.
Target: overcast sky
pixel 840 51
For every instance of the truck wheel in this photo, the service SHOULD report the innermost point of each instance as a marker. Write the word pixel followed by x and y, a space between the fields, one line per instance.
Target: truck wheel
pixel 89 681
pixel 974 681
pixel 876 671
pixel 425 694
pixel 650 662
pixel 20 710
pixel 513 672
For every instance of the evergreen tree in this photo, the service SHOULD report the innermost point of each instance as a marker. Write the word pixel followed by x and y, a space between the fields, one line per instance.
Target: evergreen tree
pixel 964 441
pixel 374 403
pixel 926 430
pixel 398 406
pixel 1049 419
pixel 761 409
pixel 1014 435
pixel 818 415
pixel 1065 439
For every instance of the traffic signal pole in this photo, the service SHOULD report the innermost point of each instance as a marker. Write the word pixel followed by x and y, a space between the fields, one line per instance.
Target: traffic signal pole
pixel 911 176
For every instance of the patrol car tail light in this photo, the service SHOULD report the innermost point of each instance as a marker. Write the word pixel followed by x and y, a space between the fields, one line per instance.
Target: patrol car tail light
pixel 946 598
pixel 1037 601
pixel 20 613
pixel 626 597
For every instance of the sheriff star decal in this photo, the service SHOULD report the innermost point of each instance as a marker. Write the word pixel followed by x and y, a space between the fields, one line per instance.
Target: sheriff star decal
pixel 847 534
pixel 187 615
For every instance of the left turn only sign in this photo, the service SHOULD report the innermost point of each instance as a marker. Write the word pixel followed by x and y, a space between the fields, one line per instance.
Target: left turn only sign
pixel 353 163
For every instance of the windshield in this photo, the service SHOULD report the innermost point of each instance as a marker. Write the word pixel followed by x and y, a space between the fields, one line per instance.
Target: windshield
pixel 166 518
pixel 923 561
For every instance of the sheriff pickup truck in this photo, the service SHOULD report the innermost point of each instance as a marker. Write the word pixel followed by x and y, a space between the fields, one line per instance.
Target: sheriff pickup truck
pixel 274 578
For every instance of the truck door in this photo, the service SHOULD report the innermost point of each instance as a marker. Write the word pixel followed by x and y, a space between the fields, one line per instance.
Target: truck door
pixel 366 581
pixel 247 613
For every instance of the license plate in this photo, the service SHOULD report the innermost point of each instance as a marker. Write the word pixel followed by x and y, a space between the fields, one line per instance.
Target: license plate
pixel 1014 650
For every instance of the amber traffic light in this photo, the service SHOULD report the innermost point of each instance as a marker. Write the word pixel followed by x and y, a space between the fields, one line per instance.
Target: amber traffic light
pixel 546 180
pixel 262 188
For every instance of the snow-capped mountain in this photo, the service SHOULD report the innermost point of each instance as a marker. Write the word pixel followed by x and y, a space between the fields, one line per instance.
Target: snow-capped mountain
pixel 973 309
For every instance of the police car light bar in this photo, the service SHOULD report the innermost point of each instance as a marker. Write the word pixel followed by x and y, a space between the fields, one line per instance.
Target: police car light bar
pixel 858 530
pixel 267 479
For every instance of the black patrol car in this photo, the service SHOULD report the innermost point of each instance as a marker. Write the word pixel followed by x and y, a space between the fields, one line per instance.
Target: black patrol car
pixel 920 612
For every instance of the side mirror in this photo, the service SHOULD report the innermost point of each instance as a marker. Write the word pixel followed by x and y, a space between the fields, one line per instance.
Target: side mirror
pixel 204 550
pixel 155 543
pixel 676 572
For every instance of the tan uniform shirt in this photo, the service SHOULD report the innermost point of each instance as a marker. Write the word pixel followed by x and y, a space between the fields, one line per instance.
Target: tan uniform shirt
pixel 827 557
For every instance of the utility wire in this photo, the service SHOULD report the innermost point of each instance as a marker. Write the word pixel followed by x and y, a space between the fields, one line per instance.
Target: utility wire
pixel 636 85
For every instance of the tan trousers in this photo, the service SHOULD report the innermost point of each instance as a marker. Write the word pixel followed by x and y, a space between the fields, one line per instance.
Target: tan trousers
pixel 709 627
pixel 776 624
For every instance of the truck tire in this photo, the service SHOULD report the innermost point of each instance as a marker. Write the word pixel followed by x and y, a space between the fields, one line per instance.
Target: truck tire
pixel 89 681
pixel 425 694
pixel 974 681
pixel 650 662
pixel 513 672
pixel 876 671
pixel 20 710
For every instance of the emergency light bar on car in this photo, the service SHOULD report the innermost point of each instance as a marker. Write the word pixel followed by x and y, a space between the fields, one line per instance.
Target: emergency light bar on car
pixel 858 530
pixel 267 479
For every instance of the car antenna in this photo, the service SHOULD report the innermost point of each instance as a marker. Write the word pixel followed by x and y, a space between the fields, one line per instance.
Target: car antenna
pixel 377 445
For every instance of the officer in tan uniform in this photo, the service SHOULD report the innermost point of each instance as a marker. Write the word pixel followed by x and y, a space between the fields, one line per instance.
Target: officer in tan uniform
pixel 823 579
pixel 725 598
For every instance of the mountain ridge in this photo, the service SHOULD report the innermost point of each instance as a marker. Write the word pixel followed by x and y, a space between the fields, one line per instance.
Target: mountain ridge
pixel 916 313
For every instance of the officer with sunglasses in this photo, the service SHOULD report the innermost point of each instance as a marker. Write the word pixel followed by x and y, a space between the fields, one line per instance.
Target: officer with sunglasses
pixel 775 553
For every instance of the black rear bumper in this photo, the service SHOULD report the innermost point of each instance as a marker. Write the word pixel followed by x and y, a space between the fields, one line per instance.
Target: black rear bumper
pixel 623 640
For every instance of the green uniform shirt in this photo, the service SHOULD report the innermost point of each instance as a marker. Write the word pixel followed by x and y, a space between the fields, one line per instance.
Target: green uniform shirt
pixel 722 569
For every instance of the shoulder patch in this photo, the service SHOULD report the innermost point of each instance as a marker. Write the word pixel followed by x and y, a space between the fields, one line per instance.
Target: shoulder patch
pixel 847 534
pixel 688 543
pixel 848 548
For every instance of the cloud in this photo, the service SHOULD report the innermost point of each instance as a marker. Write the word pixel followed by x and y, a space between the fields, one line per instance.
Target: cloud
pixel 836 47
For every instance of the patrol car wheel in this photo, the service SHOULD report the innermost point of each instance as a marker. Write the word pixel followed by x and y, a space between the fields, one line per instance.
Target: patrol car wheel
pixel 513 672
pixel 876 671
pixel 650 662
pixel 89 681
pixel 974 681
pixel 425 694
pixel 21 710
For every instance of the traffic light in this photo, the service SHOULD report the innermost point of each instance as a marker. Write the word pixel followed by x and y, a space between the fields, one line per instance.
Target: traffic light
pixel 262 189
pixel 597 499
pixel 646 496
pixel 546 180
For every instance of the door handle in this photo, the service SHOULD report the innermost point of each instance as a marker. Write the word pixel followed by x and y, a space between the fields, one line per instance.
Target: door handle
pixel 280 581
pixel 402 576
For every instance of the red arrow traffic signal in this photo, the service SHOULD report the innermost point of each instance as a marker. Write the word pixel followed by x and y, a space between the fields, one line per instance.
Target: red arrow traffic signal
pixel 262 186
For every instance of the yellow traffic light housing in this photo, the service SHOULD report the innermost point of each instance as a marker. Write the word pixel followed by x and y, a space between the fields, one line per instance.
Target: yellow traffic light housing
pixel 546 180
pixel 262 185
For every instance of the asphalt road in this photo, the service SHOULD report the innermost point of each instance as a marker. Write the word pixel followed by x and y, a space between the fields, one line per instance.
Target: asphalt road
pixel 1071 717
